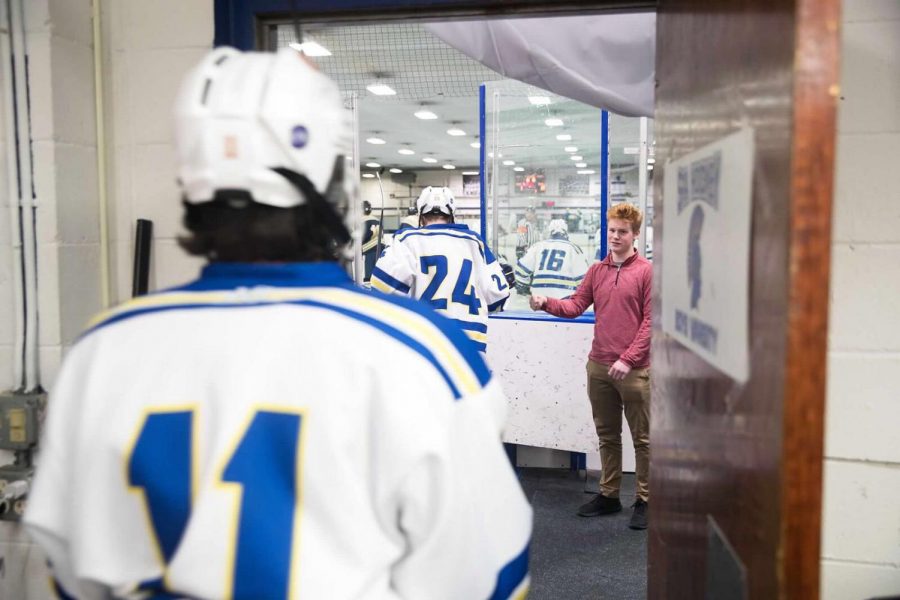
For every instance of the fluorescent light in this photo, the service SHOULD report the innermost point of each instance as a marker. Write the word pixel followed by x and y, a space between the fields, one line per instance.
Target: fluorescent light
pixel 631 150
pixel 425 115
pixel 449 167
pixel 519 169
pixel 491 155
pixel 649 167
pixel 475 144
pixel 509 163
pixel 539 100
pixel 576 157
pixel 651 161
pixel 373 165
pixel 429 160
pixel 406 151
pixel 376 141
pixel 470 172
pixel 553 122
pixel 586 172
pixel 380 89
pixel 580 165
pixel 395 170
pixel 311 48
pixel 564 137
pixel 456 132
pixel 571 148
pixel 368 176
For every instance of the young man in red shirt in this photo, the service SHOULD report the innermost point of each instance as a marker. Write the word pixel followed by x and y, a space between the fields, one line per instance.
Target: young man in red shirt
pixel 618 365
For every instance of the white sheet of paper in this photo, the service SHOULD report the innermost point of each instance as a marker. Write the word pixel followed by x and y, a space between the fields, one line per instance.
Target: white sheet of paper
pixel 706 251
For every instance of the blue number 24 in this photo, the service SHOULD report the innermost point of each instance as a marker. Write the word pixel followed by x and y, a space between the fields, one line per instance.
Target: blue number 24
pixel 463 292
pixel 265 465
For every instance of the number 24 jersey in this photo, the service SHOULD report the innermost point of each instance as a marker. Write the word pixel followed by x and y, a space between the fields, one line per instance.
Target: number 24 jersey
pixel 450 267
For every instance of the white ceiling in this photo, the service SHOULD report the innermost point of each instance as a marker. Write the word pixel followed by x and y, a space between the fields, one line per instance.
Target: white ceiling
pixel 427 73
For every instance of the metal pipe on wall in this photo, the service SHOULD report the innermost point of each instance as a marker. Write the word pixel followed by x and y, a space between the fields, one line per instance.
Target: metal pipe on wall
pixel 12 184
pixel 26 195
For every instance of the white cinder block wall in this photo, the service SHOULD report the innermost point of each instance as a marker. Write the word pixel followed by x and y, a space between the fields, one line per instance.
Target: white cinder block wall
pixel 861 511
pixel 150 46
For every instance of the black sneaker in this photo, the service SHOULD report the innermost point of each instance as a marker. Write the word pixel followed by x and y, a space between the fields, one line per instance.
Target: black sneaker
pixel 639 516
pixel 600 505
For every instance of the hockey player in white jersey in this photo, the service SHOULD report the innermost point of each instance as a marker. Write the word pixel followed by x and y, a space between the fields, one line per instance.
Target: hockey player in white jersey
pixel 447 265
pixel 554 266
pixel 237 437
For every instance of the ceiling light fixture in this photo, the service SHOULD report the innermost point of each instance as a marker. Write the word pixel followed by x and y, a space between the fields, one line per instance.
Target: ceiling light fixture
pixel 429 160
pixel 651 161
pixel 576 157
pixel 580 165
pixel 455 131
pixel 310 48
pixel 470 172
pixel 425 115
pixel 449 167
pixel 586 172
pixel 395 170
pixel 373 165
pixel 375 140
pixel 539 100
pixel 475 144
pixel 518 169
pixel 649 167
pixel 509 163
pixel 406 151
pixel 368 176
pixel 381 89
pixel 564 137
pixel 554 122
pixel 571 148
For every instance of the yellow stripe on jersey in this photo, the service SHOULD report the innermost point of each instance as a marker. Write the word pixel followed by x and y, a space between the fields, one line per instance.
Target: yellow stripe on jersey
pixel 409 322
pixel 381 286
pixel 476 335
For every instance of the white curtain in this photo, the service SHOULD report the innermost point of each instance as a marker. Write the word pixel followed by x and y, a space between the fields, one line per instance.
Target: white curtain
pixel 607 61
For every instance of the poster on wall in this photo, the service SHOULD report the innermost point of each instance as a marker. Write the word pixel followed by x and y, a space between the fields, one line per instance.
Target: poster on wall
pixel 471 185
pixel 706 267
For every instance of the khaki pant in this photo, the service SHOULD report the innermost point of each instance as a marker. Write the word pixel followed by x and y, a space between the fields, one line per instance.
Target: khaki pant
pixel 608 399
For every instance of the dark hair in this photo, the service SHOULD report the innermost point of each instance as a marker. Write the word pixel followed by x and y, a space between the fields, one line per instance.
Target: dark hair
pixel 234 228
pixel 435 216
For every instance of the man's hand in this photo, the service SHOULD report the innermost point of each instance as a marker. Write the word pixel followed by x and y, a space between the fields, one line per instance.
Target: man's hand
pixel 537 302
pixel 619 371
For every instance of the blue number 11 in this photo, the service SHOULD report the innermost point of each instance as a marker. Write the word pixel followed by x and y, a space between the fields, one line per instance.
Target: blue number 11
pixel 265 463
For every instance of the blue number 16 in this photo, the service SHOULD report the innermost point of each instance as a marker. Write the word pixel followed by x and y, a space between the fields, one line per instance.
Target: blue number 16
pixel 265 464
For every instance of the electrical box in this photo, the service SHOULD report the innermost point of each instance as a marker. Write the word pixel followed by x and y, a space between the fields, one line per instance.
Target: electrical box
pixel 20 415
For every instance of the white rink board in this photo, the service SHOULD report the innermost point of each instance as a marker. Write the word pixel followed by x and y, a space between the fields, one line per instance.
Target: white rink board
pixel 541 365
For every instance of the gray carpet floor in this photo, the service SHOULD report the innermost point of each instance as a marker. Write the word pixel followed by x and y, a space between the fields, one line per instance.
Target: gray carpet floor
pixel 575 558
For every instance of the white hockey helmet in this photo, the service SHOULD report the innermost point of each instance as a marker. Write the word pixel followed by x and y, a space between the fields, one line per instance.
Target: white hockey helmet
pixel 436 199
pixel 558 227
pixel 240 115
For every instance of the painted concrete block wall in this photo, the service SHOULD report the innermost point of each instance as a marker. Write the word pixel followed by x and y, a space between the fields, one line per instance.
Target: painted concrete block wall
pixel 150 46
pixel 861 519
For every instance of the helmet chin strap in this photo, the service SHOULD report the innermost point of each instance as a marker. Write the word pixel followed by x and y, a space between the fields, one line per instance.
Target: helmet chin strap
pixel 322 209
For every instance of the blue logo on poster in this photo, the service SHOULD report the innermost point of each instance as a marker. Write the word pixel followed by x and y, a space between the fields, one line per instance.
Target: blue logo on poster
pixel 694 258
pixel 299 136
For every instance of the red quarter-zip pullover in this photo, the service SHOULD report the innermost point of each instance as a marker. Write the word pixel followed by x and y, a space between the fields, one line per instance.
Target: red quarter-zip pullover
pixel 622 307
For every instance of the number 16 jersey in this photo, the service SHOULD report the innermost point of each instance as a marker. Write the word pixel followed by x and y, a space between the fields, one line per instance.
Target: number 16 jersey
pixel 450 267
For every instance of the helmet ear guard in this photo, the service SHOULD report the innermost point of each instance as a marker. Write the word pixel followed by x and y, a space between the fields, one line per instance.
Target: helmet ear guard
pixel 323 210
